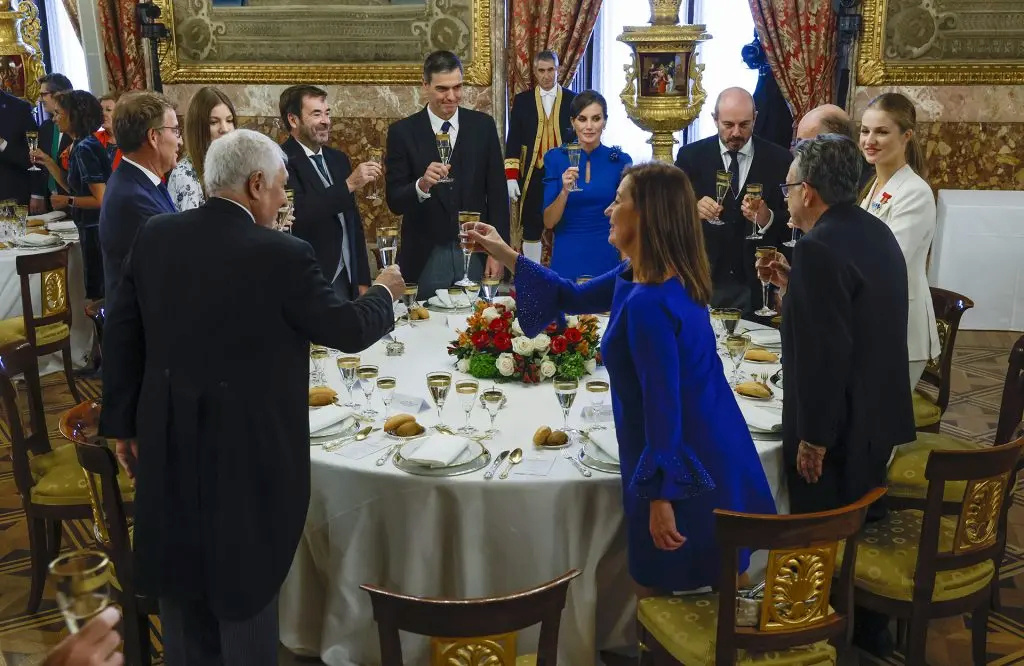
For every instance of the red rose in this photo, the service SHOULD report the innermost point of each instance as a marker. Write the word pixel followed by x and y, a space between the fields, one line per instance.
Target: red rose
pixel 552 328
pixel 498 324
pixel 558 344
pixel 481 339
pixel 508 315
pixel 573 335
pixel 502 341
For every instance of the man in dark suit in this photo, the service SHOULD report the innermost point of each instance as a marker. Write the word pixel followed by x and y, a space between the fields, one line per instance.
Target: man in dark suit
pixel 147 132
pixel 326 215
pixel 207 398
pixel 726 226
pixel 430 253
pixel 539 121
pixel 51 141
pixel 15 120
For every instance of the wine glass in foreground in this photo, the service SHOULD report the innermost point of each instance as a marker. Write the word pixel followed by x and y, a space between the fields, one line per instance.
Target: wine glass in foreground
pixel 83 586
pixel 367 375
pixel 348 366
pixel 723 183
pixel 730 317
pixel 754 191
pixel 409 299
pixel 466 218
pixel 598 390
pixel 387 386
pixel 373 189
pixel 765 252
pixel 33 144
pixel 565 391
pixel 575 152
pixel 438 383
pixel 444 151
pixel 737 346
pixel 492 399
pixel 467 390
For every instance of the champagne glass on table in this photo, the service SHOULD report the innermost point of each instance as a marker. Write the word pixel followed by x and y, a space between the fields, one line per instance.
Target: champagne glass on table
pixel 729 317
pixel 765 252
pixel 598 390
pixel 33 144
pixel 373 188
pixel 387 386
pixel 348 365
pixel 753 197
pixel 387 245
pixel 444 151
pixel 466 218
pixel 409 299
pixel 83 586
pixel 467 390
pixel 575 151
pixel 439 383
pixel 565 391
pixel 492 399
pixel 490 288
pixel 737 346
pixel 723 183
pixel 367 375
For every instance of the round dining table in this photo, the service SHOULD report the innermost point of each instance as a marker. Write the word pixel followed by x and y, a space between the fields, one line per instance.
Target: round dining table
pixel 464 536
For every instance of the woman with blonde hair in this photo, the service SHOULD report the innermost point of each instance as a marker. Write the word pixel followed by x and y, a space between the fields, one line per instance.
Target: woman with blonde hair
pixel 900 197
pixel 210 116
pixel 684 448
pixel 106 133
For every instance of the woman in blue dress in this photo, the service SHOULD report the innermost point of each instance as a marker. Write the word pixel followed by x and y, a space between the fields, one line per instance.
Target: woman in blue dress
pixel 579 219
pixel 684 447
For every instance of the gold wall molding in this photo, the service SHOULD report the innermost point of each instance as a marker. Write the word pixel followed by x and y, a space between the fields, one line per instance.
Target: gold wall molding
pixel 21 58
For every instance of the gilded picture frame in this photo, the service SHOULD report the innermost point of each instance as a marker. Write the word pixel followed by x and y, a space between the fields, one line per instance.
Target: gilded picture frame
pixel 940 42
pixel 321 41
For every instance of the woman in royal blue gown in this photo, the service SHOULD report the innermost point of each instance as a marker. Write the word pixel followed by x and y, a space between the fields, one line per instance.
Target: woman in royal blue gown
pixel 684 447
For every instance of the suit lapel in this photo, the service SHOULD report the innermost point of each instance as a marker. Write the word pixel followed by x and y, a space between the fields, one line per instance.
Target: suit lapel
pixel 303 165
pixel 892 188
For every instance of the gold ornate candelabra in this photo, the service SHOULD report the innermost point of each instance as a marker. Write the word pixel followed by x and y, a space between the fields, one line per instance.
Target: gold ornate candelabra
pixel 21 61
pixel 663 92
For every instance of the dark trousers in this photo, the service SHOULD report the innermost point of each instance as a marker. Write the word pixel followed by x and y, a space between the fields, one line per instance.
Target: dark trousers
pixel 532 212
pixel 193 636
pixel 92 260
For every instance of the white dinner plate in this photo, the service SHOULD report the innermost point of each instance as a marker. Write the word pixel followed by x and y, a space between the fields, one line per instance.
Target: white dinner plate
pixel 765 337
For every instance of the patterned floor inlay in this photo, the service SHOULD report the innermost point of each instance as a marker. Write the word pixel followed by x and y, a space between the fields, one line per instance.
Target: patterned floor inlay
pixel 979 367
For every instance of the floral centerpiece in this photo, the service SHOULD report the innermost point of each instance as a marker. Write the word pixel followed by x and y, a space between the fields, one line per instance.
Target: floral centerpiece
pixel 493 346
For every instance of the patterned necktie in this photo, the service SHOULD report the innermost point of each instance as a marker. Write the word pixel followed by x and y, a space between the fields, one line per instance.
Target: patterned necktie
pixel 446 127
pixel 321 166
pixel 734 169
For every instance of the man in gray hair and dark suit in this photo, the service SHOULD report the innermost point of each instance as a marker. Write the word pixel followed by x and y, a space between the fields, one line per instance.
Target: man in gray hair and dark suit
pixel 206 392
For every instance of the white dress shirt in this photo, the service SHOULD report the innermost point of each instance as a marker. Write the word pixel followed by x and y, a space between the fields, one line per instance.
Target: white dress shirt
pixel 341 216
pixel 453 133
pixel 155 179
pixel 547 98
pixel 746 158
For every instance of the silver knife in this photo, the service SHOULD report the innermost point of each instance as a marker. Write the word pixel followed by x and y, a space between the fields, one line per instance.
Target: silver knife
pixel 384 458
pixel 578 465
pixel 497 463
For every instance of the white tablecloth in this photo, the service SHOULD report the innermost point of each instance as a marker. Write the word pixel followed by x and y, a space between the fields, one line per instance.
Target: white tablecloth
pixel 978 245
pixel 462 536
pixel 82 328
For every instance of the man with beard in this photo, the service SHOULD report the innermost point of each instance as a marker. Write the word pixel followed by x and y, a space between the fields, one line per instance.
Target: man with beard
pixel 324 184
pixel 748 159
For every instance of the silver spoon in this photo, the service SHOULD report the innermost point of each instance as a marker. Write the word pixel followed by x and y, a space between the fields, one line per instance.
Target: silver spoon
pixel 356 437
pixel 514 459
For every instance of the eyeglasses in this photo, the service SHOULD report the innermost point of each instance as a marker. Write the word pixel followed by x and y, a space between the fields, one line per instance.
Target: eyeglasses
pixel 785 187
pixel 176 129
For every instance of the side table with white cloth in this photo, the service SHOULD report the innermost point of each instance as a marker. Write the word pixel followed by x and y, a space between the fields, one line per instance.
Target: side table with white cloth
pixel 463 536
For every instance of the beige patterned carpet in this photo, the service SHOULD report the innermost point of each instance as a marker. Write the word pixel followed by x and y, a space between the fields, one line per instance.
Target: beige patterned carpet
pixel 979 368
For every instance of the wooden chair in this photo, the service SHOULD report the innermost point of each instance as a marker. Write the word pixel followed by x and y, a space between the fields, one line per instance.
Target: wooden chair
pixel 920 566
pixel 50 332
pixel 949 309
pixel 483 628
pixel 797 624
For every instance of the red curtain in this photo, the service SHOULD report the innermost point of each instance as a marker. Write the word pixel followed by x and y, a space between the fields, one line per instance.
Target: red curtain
pixel 562 26
pixel 798 37
pixel 122 47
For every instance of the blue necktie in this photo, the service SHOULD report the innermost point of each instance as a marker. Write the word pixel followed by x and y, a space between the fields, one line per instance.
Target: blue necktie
pixel 167 195
pixel 446 127
pixel 318 160
pixel 734 169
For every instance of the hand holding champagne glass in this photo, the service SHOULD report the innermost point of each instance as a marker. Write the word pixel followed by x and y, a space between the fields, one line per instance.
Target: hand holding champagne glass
pixel 83 585
pixel 467 221
pixel 723 183
pixel 375 155
pixel 754 201
pixel 33 145
pixel 575 152
pixel 387 245
pixel 444 150
pixel 765 255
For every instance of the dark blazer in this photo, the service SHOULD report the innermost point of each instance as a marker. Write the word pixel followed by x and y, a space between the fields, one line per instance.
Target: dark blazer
pixel 478 171
pixel 213 383
pixel 15 120
pixel 317 208
pixel 844 356
pixel 731 255
pixel 41 179
pixel 130 199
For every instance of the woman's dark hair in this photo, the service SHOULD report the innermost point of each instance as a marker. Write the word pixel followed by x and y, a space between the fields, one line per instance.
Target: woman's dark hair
pixel 197 124
pixel 585 99
pixel 85 115
pixel 670 234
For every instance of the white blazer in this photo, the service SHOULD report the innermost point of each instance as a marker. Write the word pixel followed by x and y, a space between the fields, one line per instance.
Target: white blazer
pixel 909 210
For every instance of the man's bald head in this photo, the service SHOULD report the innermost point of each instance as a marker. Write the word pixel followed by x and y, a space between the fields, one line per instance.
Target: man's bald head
pixel 824 119
pixel 734 116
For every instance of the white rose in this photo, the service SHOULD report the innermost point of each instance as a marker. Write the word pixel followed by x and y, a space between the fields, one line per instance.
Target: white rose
pixel 547 368
pixel 572 321
pixel 506 364
pixel 509 303
pixel 516 328
pixel 522 345
pixel 541 343
pixel 590 365
pixel 463 365
pixel 490 314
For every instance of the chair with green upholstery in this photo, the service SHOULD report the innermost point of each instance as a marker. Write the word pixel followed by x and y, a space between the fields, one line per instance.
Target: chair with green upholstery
pixel 795 625
pixel 50 332
pixel 949 310
pixel 929 562
pixel 472 631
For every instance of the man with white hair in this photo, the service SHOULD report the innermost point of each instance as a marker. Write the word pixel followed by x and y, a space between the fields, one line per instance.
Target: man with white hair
pixel 207 358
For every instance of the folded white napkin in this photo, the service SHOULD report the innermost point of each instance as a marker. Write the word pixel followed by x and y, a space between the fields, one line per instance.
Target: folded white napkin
pixel 400 310
pixel 63 225
pixel 444 299
pixel 324 417
pixel 607 441
pixel 49 217
pixel 765 337
pixel 37 240
pixel 760 417
pixel 438 450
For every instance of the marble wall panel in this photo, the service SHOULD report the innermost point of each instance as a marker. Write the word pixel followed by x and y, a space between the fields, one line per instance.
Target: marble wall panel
pixel 954 103
pixel 974 155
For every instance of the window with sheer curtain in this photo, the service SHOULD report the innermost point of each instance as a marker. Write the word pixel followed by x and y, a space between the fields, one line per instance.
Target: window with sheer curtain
pixel 66 53
pixel 731 26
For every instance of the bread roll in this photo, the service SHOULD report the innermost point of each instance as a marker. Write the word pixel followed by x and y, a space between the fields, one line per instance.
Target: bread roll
pixel 396 421
pixel 321 395
pixel 557 438
pixel 541 436
pixel 409 429
pixel 753 390
pixel 762 355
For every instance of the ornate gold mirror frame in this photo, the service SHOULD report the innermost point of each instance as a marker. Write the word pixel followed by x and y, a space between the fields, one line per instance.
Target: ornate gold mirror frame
pixel 21 60
pixel 204 30
pixel 941 42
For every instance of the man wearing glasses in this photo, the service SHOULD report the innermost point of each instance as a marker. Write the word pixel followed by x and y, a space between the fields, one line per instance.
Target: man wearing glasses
pixel 51 141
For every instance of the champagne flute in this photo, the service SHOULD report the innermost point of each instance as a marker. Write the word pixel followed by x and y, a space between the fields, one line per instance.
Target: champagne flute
pixel 575 152
pixel 367 375
pixel 444 150
pixel 438 383
pixel 387 245
pixel 409 299
pixel 793 237
pixel 466 218
pixel 33 144
pixel 387 386
pixel 723 183
pixel 83 586
pixel 598 390
pixel 754 191
pixel 467 390
pixel 765 252
pixel 492 399
pixel 490 288
pixel 565 391
pixel 348 365
pixel 737 346
pixel 373 190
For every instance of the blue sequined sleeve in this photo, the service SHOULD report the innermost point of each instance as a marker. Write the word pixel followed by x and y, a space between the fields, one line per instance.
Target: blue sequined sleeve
pixel 541 295
pixel 668 469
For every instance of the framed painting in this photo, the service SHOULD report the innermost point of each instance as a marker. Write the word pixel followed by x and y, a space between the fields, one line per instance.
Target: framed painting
pixel 322 41
pixel 21 62
pixel 941 42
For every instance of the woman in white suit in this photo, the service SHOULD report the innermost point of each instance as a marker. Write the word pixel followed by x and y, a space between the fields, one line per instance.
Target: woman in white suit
pixel 900 197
